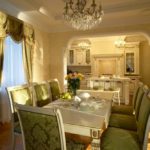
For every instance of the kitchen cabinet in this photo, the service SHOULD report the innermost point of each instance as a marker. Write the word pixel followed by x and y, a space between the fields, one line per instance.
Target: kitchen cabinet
pixel 79 57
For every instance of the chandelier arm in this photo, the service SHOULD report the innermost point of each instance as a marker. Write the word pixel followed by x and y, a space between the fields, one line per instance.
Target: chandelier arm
pixel 93 4
pixel 78 4
pixel 92 10
pixel 66 8
pixel 71 4
pixel 83 2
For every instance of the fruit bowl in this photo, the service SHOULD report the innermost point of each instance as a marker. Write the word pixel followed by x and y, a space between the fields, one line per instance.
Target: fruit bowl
pixel 66 96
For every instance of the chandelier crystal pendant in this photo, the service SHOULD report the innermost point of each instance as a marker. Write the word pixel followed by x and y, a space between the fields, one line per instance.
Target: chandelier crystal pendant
pixel 80 17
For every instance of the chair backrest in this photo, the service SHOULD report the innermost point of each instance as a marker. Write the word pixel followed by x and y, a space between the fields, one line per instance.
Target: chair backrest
pixel 20 94
pixel 136 93
pixel 143 119
pixel 42 128
pixel 42 94
pixel 55 89
pixel 140 95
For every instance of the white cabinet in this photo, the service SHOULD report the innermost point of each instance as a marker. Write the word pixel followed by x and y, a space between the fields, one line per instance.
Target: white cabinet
pixel 131 54
pixel 133 83
pixel 70 58
pixel 79 57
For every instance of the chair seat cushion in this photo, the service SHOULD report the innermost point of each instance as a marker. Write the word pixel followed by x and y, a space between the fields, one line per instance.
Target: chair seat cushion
pixel 119 139
pixel 122 109
pixel 43 102
pixel 123 121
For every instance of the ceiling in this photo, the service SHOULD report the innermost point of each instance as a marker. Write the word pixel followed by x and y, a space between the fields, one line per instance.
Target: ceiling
pixel 47 14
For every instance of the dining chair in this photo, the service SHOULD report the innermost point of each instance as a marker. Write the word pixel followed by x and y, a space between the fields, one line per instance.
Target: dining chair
pixel 42 129
pixel 128 109
pixel 129 121
pixel 116 96
pixel 42 94
pixel 114 138
pixel 55 89
pixel 21 95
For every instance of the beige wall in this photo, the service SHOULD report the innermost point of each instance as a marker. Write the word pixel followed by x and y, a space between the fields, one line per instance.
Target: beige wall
pixel 145 62
pixel 41 63
pixel 107 47
pixel 104 47
pixel 50 50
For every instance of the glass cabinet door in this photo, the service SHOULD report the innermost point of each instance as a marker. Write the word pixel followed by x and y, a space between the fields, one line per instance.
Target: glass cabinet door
pixel 71 57
pixel 80 57
pixel 88 56
pixel 131 56
pixel 130 62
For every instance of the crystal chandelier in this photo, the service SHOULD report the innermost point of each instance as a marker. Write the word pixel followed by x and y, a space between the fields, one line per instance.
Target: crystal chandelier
pixel 80 17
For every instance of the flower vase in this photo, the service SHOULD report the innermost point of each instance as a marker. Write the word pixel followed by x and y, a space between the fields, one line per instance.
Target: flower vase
pixel 73 85
pixel 74 91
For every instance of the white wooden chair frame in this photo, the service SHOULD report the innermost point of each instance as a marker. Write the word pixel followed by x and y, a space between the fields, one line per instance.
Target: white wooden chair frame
pixel 50 111
pixel 12 107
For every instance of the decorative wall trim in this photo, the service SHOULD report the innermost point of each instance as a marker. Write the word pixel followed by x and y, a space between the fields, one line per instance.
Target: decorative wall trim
pixel 107 55
pixel 117 57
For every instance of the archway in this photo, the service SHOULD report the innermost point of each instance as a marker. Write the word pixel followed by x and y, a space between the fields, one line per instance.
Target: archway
pixel 132 37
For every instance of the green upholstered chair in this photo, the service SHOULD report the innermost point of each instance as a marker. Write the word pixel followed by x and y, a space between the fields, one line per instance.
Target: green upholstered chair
pixel 42 94
pixel 43 129
pixel 128 121
pixel 117 138
pixel 55 89
pixel 21 95
pixel 126 109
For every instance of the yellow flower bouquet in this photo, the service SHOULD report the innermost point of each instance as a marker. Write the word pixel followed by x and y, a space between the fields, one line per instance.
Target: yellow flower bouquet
pixel 73 79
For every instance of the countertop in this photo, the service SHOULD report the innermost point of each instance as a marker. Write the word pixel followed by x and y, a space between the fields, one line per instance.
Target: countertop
pixel 109 79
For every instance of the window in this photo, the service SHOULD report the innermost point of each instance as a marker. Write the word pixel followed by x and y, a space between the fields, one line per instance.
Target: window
pixel 13 70
pixel 13 73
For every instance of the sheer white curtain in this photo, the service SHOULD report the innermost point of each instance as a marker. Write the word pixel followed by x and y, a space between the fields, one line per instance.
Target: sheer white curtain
pixel 13 74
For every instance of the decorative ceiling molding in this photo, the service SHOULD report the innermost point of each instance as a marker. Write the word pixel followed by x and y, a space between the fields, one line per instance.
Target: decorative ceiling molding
pixel 117 13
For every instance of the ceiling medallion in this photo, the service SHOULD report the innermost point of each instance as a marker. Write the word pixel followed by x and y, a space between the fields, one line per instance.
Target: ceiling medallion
pixel 81 17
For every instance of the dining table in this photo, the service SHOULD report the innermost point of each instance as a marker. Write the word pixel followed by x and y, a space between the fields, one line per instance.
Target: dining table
pixel 87 118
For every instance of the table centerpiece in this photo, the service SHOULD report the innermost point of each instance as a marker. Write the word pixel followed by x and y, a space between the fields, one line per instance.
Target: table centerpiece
pixel 73 81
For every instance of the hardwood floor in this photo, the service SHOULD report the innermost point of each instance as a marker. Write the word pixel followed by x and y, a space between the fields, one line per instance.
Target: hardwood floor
pixel 5 138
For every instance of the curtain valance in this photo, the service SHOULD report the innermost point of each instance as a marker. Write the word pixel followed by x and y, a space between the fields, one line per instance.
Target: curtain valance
pixel 3 24
pixel 19 31
pixel 15 28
